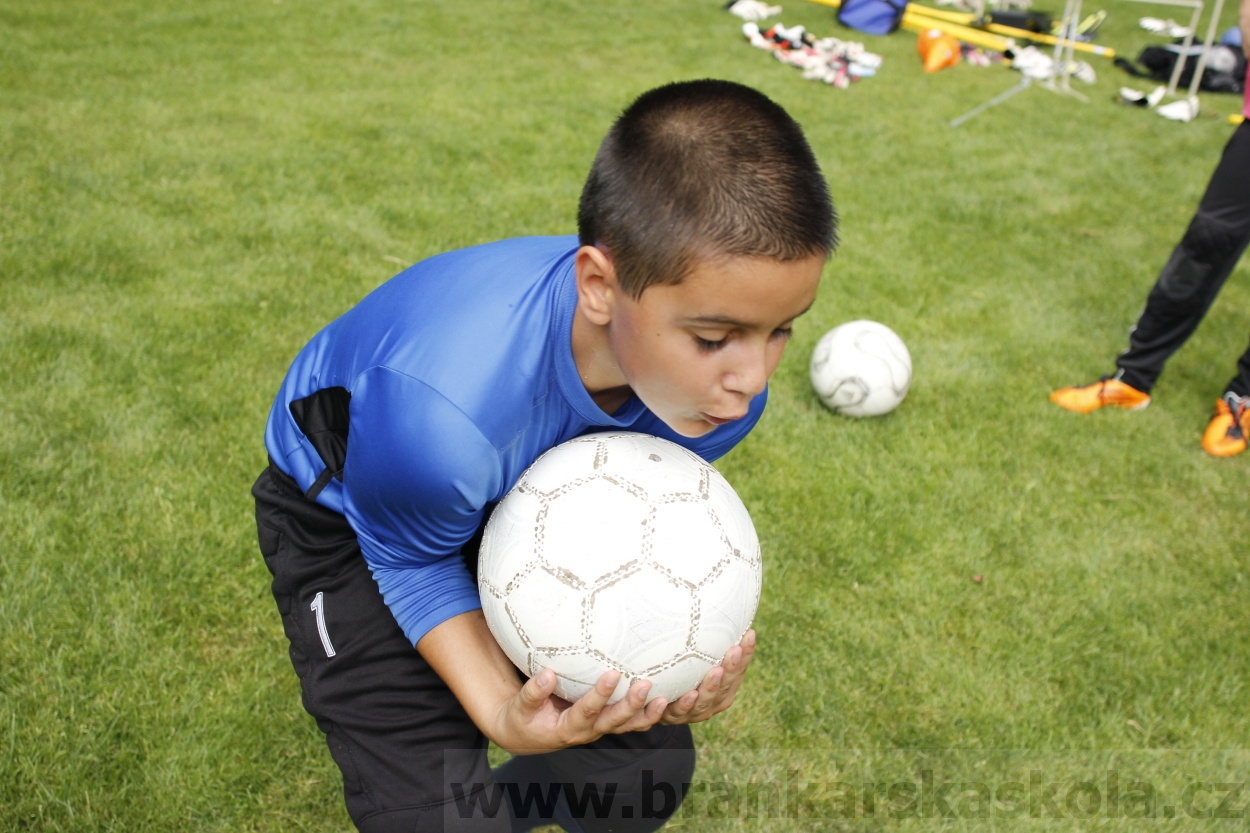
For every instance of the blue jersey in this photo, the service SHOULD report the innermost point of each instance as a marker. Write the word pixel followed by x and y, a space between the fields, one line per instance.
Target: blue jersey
pixel 455 375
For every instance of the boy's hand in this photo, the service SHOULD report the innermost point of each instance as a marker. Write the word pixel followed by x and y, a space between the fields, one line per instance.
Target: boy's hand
pixel 535 720
pixel 718 689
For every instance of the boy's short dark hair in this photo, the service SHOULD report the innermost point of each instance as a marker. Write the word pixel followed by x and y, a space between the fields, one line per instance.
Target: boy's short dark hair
pixel 701 169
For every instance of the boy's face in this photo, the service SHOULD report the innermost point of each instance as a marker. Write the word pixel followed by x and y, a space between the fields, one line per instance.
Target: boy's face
pixel 697 352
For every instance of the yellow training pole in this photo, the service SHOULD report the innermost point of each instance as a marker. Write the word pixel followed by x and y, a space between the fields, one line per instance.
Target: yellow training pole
pixel 967 29
pixel 967 34
pixel 1040 37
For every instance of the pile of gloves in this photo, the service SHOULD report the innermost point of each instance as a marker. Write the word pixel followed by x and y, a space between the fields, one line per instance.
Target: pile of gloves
pixel 833 61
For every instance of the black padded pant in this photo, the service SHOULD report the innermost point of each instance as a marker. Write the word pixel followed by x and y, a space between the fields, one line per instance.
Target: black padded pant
pixel 411 759
pixel 1195 273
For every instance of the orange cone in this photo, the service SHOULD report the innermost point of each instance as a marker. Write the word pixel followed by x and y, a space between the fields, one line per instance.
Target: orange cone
pixel 937 49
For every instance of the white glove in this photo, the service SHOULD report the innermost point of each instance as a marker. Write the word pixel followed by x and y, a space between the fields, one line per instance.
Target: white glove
pixel 1163 27
pixel 1183 110
pixel 753 10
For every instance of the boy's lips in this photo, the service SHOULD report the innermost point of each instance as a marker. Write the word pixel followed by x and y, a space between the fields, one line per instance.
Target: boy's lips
pixel 720 420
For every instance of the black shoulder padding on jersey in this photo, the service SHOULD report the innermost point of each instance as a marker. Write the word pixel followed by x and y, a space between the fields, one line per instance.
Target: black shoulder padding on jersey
pixel 469 551
pixel 323 417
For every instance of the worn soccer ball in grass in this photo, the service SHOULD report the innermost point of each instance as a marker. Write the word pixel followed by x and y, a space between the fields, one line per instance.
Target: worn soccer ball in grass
pixel 620 551
pixel 861 368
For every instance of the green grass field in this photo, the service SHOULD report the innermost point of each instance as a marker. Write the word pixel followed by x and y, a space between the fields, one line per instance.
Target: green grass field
pixel 188 191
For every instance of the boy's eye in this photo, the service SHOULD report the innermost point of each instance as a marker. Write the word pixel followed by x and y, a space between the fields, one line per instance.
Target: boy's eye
pixel 708 345
pixel 783 332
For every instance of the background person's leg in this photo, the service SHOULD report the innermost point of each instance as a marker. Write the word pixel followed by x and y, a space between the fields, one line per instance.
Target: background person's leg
pixel 1197 269
pixel 1240 384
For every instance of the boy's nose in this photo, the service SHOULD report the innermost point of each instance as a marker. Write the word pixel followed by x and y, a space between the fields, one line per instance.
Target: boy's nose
pixel 750 376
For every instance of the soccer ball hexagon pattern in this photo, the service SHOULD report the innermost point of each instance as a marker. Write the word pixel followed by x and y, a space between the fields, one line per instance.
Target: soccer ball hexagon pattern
pixel 620 551
pixel 861 368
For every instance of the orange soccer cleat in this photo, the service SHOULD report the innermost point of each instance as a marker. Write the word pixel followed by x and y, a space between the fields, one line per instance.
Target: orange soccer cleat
pixel 1227 430
pixel 1106 391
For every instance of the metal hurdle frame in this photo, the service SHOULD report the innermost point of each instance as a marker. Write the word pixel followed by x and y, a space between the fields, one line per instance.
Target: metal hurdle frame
pixel 1197 6
pixel 1059 82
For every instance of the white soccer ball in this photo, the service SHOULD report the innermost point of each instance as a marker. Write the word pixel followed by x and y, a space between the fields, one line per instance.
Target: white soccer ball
pixel 861 368
pixel 620 551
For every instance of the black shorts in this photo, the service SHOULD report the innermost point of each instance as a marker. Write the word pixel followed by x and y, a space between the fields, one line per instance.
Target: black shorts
pixel 411 758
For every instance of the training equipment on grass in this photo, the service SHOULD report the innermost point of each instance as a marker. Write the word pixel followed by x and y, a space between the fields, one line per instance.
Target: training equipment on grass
pixel 835 62
pixel 861 368
pixel 992 22
pixel 937 49
pixel 1055 74
pixel 876 17
pixel 620 551
pixel 984 30
pixel 916 22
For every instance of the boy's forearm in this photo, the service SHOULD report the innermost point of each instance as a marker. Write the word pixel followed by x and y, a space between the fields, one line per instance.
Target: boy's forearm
pixel 463 653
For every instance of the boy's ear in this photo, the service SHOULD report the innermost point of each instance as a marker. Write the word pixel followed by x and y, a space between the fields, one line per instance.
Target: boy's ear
pixel 596 284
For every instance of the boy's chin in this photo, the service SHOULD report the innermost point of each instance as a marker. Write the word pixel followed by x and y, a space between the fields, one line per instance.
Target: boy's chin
pixel 690 427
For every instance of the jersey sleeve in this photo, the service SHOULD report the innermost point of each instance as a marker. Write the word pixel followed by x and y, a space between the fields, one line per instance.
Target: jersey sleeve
pixel 417 478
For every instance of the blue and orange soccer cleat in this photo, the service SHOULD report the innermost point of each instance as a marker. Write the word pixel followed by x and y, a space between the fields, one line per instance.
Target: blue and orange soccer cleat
pixel 1229 425
pixel 1107 391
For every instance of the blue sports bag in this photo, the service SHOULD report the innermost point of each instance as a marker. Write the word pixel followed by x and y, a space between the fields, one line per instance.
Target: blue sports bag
pixel 876 17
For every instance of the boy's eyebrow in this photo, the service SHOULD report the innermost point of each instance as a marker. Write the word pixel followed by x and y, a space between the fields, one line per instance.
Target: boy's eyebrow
pixel 734 322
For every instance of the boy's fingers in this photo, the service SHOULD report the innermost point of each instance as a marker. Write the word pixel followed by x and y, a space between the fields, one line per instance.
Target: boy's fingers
pixel 647 716
pixel 736 659
pixel 631 713
pixel 592 702
pixel 676 711
pixel 686 702
pixel 624 710
pixel 717 690
pixel 537 689
pixel 748 647
pixel 733 659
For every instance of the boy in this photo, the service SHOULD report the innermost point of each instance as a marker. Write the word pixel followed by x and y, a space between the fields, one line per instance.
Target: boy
pixel 703 229
pixel 1184 291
